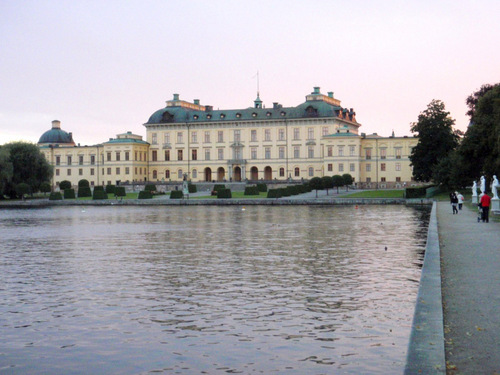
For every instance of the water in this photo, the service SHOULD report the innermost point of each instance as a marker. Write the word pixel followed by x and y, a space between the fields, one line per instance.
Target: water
pixel 208 290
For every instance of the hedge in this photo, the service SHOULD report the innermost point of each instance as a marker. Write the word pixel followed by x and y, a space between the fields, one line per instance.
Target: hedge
pixel 55 196
pixel 99 194
pixel 69 193
pixel 285 192
pixel 145 194
pixel 262 187
pixel 65 184
pixel 218 187
pixel 120 191
pixel 150 187
pixel 274 193
pixel 83 183
pixel 98 188
pixel 84 192
pixel 192 188
pixel 110 189
pixel 176 194
pixel 251 190
pixel 224 193
pixel 415 192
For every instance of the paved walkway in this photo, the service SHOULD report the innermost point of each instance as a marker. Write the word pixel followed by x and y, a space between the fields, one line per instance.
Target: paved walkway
pixel 470 256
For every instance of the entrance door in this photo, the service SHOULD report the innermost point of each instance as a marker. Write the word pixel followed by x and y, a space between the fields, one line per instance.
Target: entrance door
pixel 221 173
pixel 208 174
pixel 237 174
pixel 268 173
pixel 254 174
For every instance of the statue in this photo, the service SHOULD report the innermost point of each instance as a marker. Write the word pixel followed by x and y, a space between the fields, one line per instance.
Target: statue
pixel 494 187
pixel 474 189
pixel 483 185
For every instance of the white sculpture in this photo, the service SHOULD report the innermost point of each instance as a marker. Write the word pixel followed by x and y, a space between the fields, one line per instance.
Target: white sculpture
pixel 483 185
pixel 474 189
pixel 494 187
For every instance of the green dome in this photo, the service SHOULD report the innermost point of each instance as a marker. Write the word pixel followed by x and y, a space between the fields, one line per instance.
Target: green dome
pixel 56 135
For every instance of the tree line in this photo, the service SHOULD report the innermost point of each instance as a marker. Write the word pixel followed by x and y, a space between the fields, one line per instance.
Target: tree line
pixel 453 159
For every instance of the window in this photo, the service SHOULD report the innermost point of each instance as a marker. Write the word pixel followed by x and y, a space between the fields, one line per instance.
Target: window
pixel 117 170
pixel 135 156
pixel 398 153
pixel 281 134
pixel 383 153
pixel 167 155
pixel 341 150
pixel 352 150
pixel 398 179
pixel 398 167
pixel 253 135
pixel 109 171
pixel 155 174
pixel 324 131
pixel 368 167
pixel 237 135
pixel 311 171
pixel 382 167
pixel 352 167
pixel 57 172
pixel 179 154
pixel 296 134
pixel 69 172
pixel 267 134
pixel 207 154
pixel 382 179
pixel 167 174
pixel 207 137
pixel 154 139
pixel 267 152
pixel 296 172
pixel 330 167
pixel 167 137
pixel 80 160
pixel 80 172
pixel 154 155
pixel 127 170
pixel 220 136
pixel 310 152
pixel 180 138
pixel 69 160
pixel 180 174
pixel 296 152
pixel 253 153
pixel 108 156
pixel 194 137
pixel 195 173
pixel 310 133
pixel 281 152
pixel 194 154
pixel 368 179
pixel 341 167
pixel 330 151
pixel 220 154
pixel 368 153
pixel 58 160
pixel 91 171
pixel 127 155
pixel 91 183
pixel 92 159
pixel 282 172
pixel 135 170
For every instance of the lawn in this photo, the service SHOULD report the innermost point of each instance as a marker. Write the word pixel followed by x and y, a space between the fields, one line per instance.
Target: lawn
pixel 235 195
pixel 376 194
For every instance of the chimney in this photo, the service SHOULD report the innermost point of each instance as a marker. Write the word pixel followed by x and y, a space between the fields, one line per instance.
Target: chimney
pixel 176 96
pixel 330 94
pixel 56 124
pixel 196 101
pixel 316 91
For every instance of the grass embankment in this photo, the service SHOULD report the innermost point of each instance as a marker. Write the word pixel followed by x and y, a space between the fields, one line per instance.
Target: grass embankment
pixel 376 194
pixel 235 195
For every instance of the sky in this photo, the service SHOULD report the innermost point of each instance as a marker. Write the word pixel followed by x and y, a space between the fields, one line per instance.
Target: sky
pixel 103 67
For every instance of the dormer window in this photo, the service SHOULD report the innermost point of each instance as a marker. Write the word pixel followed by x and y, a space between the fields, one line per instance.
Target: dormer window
pixel 311 111
pixel 283 113
pixel 167 117
pixel 222 115
pixel 238 115
pixel 254 114
pixel 268 114
pixel 195 117
pixel 209 117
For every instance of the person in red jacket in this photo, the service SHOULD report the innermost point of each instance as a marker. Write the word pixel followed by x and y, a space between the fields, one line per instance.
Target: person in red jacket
pixel 485 202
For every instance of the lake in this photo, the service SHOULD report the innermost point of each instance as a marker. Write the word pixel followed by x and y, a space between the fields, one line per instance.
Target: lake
pixel 208 289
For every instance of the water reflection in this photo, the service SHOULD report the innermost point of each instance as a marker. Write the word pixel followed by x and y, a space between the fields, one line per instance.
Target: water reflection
pixel 209 289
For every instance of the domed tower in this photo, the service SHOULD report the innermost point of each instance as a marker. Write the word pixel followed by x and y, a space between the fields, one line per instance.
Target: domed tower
pixel 56 136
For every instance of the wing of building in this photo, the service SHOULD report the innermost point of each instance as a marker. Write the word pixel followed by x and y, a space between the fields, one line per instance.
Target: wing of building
pixel 188 140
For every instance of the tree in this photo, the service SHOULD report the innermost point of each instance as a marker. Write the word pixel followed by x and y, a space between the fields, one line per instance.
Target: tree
pixel 83 183
pixel 436 139
pixel 6 171
pixel 316 183
pixel 45 187
pixel 22 189
pixel 348 180
pixel 480 148
pixel 338 181
pixel 327 183
pixel 65 184
pixel 28 165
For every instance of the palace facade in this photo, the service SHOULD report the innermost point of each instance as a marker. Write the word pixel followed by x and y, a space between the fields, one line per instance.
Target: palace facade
pixel 188 140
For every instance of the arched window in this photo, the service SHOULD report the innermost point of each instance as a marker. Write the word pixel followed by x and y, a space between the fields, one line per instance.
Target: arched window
pixel 194 173
pixel 179 174
pixel 297 172
pixel 167 173
pixel 282 172
pixel 155 174
pixel 311 171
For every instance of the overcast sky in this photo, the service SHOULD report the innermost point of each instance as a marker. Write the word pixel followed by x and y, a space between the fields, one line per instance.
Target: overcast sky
pixel 103 67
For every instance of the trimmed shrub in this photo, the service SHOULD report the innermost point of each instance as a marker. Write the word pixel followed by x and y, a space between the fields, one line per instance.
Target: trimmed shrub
pixel 83 183
pixel 63 185
pixel 99 194
pixel 192 188
pixel 307 188
pixel 262 187
pixel 274 193
pixel 120 191
pixel 224 193
pixel 176 194
pixel 45 187
pixel 292 189
pixel 285 192
pixel 69 194
pixel 145 194
pixel 251 190
pixel 84 192
pixel 110 189
pixel 98 188
pixel 55 196
pixel 415 192
pixel 22 189
pixel 150 187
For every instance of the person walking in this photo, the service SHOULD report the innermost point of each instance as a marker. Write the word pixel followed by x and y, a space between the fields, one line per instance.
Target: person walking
pixel 461 200
pixel 454 203
pixel 485 206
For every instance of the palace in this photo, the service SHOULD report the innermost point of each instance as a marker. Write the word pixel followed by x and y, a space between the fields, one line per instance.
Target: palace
pixel 189 140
